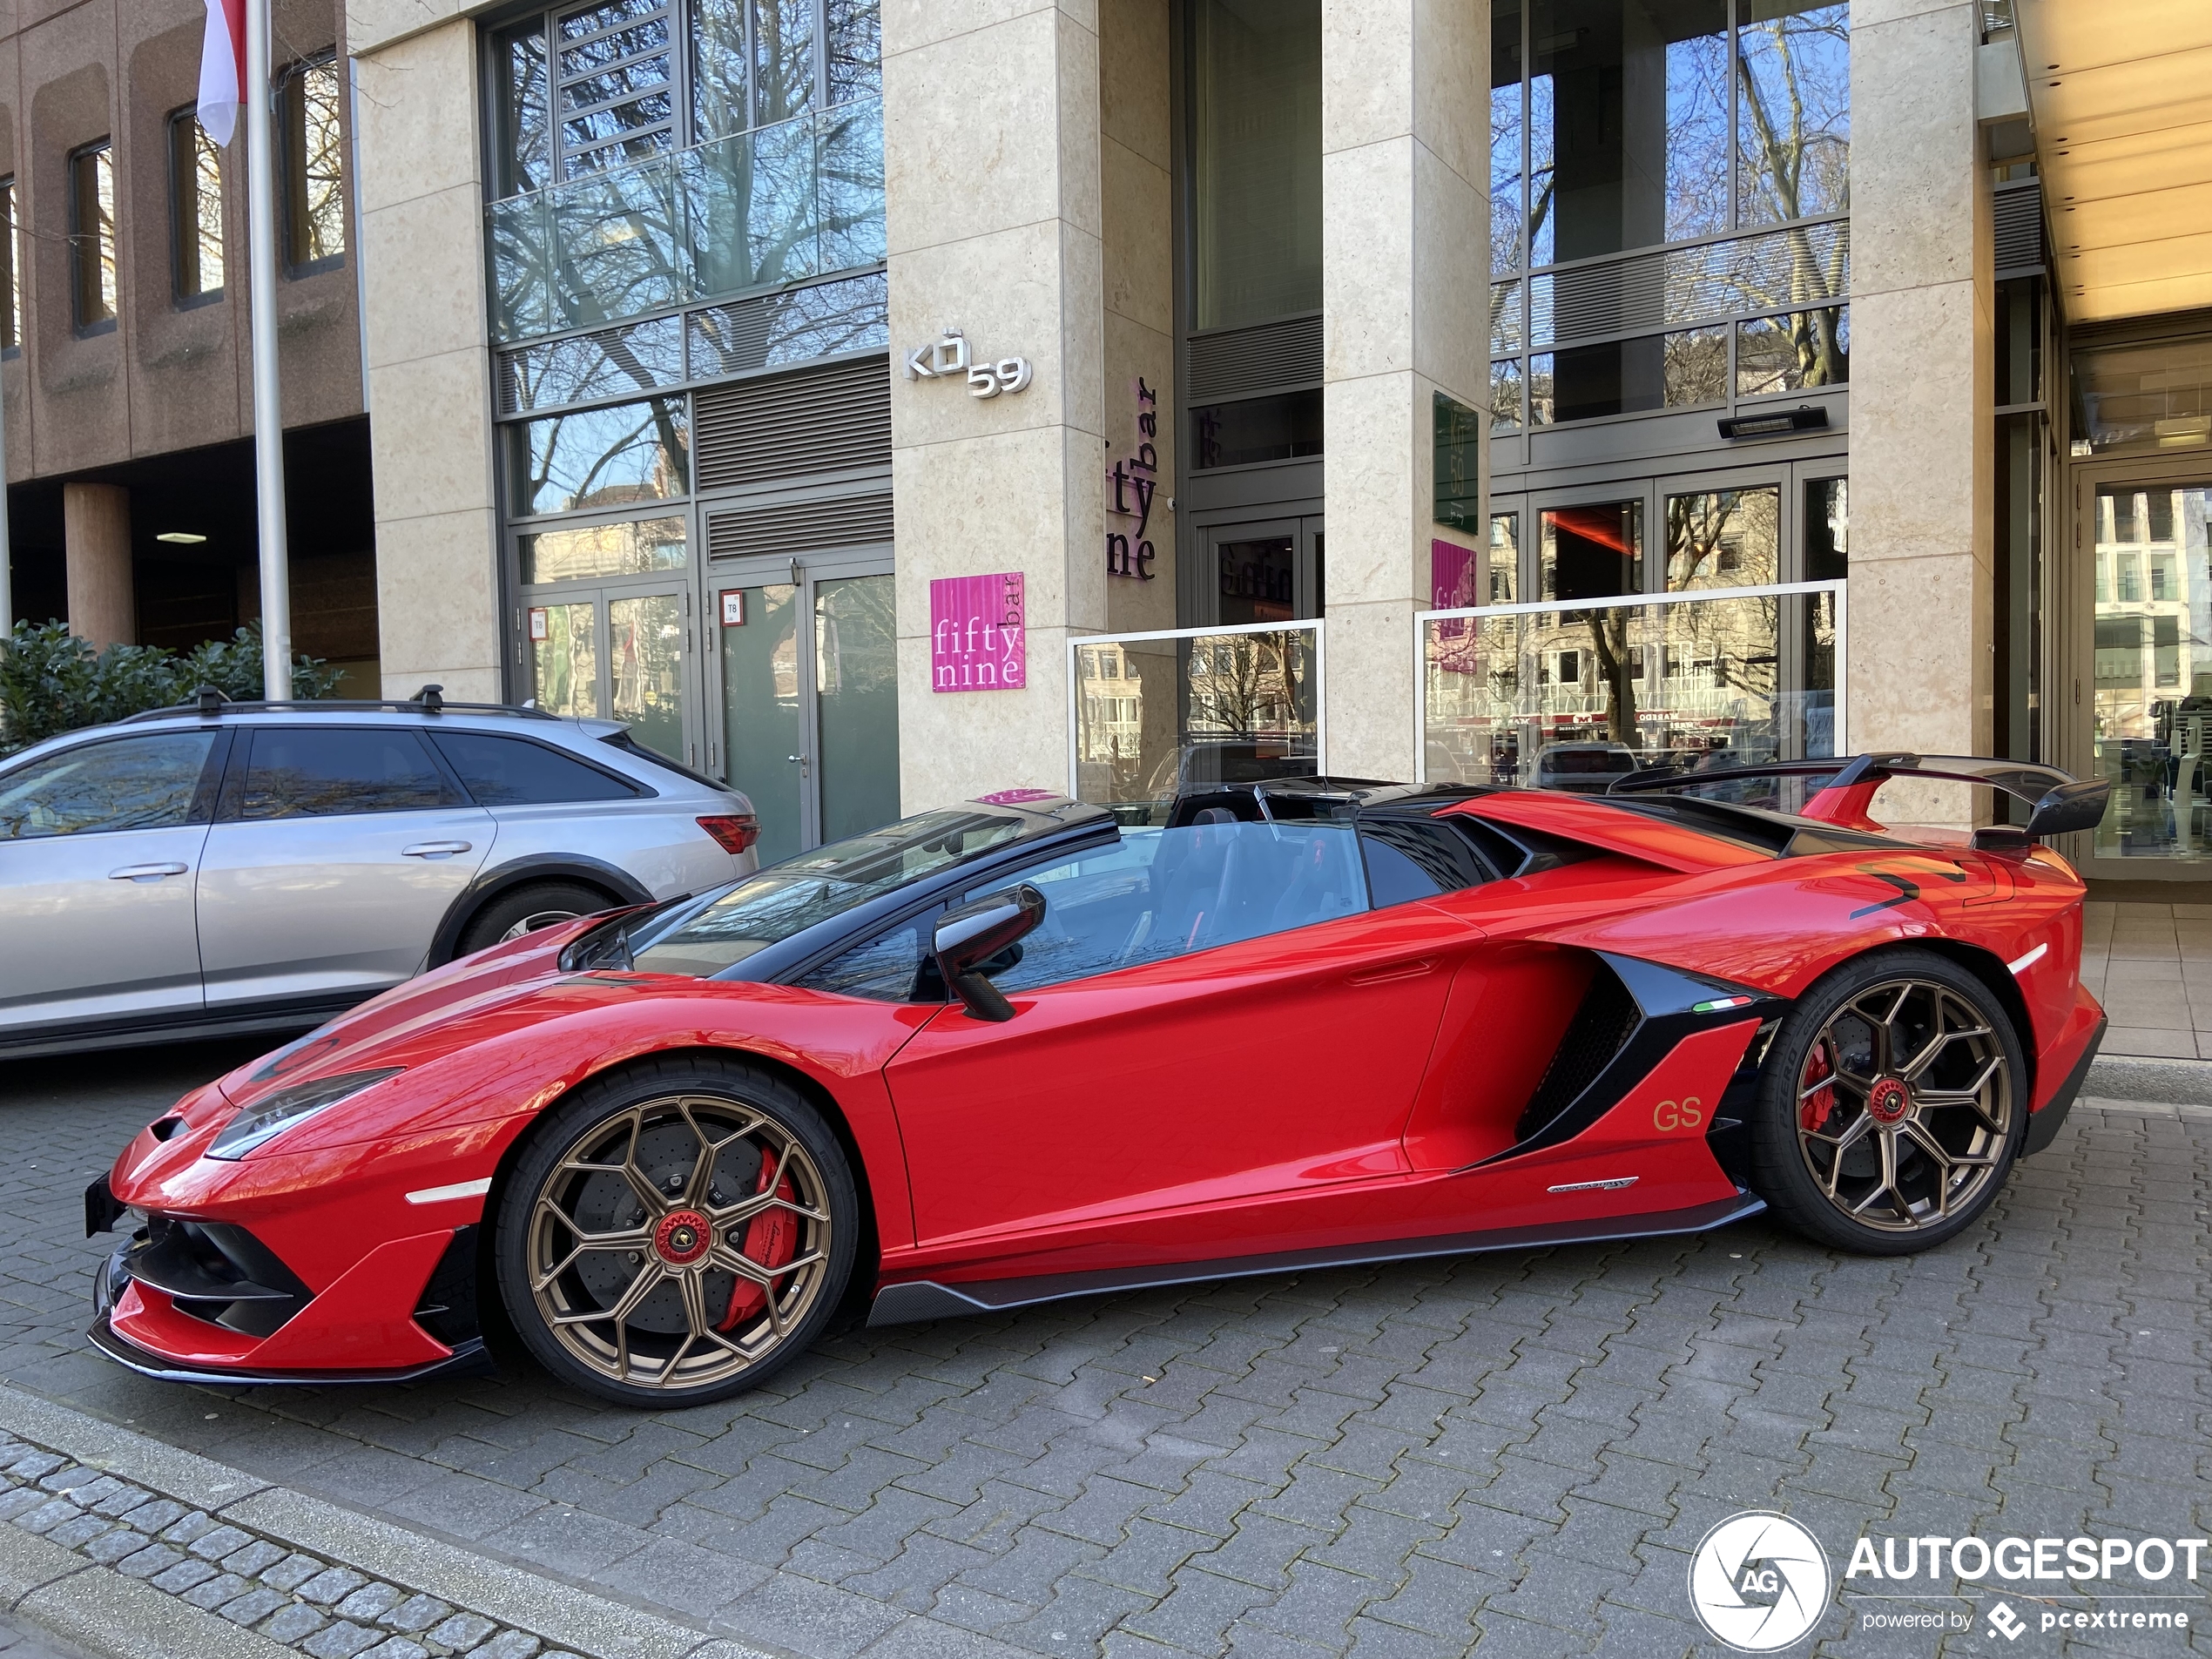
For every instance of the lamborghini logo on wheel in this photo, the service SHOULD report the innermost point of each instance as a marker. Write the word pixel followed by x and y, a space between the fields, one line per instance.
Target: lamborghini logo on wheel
pixel 1759 1582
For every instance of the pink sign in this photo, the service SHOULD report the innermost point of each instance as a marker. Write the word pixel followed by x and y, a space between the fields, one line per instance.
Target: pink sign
pixel 976 638
pixel 1450 577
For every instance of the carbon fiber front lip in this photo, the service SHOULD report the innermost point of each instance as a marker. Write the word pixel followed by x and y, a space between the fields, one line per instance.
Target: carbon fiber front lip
pixel 467 1359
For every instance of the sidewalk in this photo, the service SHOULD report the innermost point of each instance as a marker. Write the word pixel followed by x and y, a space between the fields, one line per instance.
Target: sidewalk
pixel 2151 965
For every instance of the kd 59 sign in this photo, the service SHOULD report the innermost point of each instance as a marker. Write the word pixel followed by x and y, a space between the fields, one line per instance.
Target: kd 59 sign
pixel 949 358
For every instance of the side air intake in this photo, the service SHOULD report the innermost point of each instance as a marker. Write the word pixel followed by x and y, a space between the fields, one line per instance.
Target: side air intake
pixel 1601 1027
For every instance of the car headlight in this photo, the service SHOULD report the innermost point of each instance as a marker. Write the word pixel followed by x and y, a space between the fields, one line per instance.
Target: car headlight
pixel 273 1114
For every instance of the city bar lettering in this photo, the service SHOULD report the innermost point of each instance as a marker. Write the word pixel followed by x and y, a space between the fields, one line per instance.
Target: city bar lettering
pixel 1130 553
pixel 977 641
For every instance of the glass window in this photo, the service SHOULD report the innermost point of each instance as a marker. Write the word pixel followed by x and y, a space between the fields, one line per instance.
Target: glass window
pixel 1793 117
pixel 1592 552
pixel 92 236
pixel 783 59
pixel 890 967
pixel 11 269
pixel 1632 108
pixel 1508 128
pixel 855 49
pixel 195 210
pixel 1695 366
pixel 646 667
pixel 1255 160
pixel 1827 530
pixel 631 547
pixel 325 771
pixel 522 102
pixel 1258 580
pixel 1793 352
pixel 314 180
pixel 1505 395
pixel 1723 538
pixel 1166 892
pixel 1505 557
pixel 818 885
pixel 1281 428
pixel 2147 398
pixel 514 771
pixel 613 76
pixel 611 457
pixel 132 783
pixel 718 97
pixel 1543 403
pixel 564 657
pixel 1418 858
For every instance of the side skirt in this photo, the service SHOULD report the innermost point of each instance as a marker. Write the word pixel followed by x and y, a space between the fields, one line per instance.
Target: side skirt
pixel 917 1299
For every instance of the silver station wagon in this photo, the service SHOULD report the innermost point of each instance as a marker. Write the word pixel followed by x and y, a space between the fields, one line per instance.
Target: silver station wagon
pixel 252 867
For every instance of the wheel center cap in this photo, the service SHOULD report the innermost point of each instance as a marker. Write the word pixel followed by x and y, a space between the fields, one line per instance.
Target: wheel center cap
pixel 1889 1100
pixel 682 1237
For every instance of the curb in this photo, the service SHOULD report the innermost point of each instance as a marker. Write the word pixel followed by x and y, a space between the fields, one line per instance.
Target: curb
pixel 2183 1082
pixel 112 1550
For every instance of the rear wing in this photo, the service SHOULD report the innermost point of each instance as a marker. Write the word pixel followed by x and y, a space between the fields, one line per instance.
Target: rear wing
pixel 2058 803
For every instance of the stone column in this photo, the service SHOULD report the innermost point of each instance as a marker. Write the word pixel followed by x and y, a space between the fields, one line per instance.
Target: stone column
pixel 1918 667
pixel 991 162
pixel 96 540
pixel 1405 277
pixel 421 206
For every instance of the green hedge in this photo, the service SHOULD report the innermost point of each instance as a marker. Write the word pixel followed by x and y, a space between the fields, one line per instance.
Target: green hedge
pixel 51 681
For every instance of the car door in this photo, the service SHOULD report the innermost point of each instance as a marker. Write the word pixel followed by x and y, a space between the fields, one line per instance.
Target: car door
pixel 1205 1014
pixel 98 846
pixel 336 852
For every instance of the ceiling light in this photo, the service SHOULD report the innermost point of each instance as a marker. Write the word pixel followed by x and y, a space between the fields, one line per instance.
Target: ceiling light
pixel 182 538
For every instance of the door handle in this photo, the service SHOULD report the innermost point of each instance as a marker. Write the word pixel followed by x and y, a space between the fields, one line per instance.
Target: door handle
pixel 146 871
pixel 434 849
pixel 1413 969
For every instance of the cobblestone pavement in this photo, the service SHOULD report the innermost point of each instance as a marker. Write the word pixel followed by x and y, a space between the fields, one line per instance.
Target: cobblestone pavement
pixel 21 1640
pixel 1514 1452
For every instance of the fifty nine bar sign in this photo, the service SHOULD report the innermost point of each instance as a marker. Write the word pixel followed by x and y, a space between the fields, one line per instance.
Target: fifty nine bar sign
pixel 976 638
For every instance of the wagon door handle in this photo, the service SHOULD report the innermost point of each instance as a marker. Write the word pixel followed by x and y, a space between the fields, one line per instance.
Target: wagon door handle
pixel 146 871
pixel 1413 969
pixel 434 849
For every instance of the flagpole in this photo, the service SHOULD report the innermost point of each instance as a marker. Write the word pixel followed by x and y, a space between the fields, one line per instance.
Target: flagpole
pixel 268 415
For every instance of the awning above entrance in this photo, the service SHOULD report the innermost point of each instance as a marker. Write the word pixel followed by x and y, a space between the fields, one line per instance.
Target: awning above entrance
pixel 2123 139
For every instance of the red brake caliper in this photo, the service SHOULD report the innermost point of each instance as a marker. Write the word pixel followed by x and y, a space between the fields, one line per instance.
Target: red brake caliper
pixel 1813 1113
pixel 771 1239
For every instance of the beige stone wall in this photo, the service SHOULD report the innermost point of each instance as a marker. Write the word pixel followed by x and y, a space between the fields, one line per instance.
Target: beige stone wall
pixel 1136 209
pixel 992 163
pixel 422 214
pixel 1404 252
pixel 1919 668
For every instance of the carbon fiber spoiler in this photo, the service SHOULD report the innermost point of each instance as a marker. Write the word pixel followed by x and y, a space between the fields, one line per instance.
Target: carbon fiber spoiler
pixel 2058 802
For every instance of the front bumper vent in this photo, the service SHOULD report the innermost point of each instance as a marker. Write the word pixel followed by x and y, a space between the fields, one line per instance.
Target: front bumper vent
pixel 216 1273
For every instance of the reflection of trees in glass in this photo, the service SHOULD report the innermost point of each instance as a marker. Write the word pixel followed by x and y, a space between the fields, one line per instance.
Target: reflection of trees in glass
pixel 1616 665
pixel 315 227
pixel 1722 538
pixel 1543 169
pixel 1249 686
pixel 1793 143
pixel 1696 137
pixel 1506 127
pixel 605 457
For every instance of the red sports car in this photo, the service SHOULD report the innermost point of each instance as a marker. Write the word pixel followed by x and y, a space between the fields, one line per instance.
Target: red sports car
pixel 1016 1050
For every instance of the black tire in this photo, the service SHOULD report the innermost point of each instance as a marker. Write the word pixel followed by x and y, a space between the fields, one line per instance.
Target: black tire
pixel 532 906
pixel 1885 1144
pixel 670 1348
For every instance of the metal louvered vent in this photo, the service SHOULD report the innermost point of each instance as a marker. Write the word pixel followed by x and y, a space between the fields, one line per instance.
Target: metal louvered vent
pixel 790 528
pixel 830 419
pixel 1265 357
pixel 2017 213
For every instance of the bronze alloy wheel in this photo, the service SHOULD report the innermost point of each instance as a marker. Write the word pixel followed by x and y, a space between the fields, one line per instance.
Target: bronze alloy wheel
pixel 1905 1105
pixel 677 1242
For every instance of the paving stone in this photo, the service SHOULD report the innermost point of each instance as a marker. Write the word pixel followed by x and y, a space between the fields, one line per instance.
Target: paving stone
pixel 508 1644
pixel 294 1623
pixel 332 1584
pixel 224 1587
pixel 398 1647
pixel 21 1501
pixel 154 1558
pixel 198 1524
pixel 370 1601
pixel 213 1545
pixel 462 1630
pixel 112 1546
pixel 417 1613
pixel 341 1641
pixel 254 1558
pixel 153 1516
pixel 255 1605
pixel 48 1515
pixel 181 1577
pixel 292 1571
pixel 80 1529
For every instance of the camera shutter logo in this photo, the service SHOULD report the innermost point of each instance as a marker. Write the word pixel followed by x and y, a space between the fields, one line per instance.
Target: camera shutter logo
pixel 1759 1582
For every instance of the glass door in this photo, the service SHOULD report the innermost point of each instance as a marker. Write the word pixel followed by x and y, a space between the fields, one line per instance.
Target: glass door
pixel 1268 571
pixel 613 655
pixel 808 665
pixel 2149 705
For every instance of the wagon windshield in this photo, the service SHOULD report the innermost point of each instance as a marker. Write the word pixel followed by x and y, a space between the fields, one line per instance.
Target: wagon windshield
pixel 764 909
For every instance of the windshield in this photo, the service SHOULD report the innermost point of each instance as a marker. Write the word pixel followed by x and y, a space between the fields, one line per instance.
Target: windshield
pixel 789 897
